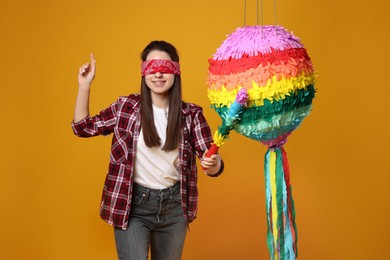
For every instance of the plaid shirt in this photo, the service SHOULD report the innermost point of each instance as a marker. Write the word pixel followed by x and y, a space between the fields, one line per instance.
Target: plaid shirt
pixel 122 119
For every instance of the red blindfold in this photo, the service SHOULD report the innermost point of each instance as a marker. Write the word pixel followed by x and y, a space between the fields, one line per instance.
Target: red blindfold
pixel 163 66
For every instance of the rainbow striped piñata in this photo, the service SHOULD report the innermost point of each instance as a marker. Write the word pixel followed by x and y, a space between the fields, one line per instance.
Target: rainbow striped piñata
pixel 261 83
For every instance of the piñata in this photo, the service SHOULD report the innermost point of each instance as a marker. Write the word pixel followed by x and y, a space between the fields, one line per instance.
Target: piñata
pixel 261 83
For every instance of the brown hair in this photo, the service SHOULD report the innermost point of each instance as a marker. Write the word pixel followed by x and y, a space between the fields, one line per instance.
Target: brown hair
pixel 151 137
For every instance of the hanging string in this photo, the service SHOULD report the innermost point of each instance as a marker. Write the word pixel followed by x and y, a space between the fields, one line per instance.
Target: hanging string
pixel 257 13
pixel 276 19
pixel 261 13
pixel 275 15
pixel 244 12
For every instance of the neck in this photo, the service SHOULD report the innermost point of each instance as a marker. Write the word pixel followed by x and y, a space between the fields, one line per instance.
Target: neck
pixel 160 101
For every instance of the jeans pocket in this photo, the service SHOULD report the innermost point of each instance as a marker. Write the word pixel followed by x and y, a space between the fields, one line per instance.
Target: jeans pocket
pixel 138 199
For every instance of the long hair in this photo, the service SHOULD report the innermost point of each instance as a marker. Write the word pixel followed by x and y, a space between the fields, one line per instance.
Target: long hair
pixel 151 137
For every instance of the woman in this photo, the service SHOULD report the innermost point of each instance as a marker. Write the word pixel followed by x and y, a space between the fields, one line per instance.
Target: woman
pixel 150 194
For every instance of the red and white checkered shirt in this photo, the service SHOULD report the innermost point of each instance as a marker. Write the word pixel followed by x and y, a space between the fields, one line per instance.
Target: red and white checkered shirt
pixel 122 119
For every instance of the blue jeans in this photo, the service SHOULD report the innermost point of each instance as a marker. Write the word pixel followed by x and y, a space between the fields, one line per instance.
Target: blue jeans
pixel 156 221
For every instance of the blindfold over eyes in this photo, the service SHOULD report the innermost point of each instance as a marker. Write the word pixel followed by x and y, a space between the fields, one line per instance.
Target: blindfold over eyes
pixel 163 66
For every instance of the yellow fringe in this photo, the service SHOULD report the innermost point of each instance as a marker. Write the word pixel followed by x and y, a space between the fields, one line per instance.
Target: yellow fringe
pixel 273 90
pixel 218 139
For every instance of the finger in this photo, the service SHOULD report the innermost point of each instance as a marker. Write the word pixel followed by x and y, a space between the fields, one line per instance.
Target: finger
pixel 208 162
pixel 205 166
pixel 214 156
pixel 84 68
pixel 92 58
pixel 93 62
pixel 211 159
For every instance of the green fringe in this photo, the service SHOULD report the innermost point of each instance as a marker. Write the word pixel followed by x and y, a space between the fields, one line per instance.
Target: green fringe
pixel 297 99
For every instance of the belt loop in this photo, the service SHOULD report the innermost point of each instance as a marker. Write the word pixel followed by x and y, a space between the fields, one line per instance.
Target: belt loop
pixel 171 193
pixel 147 193
pixel 173 189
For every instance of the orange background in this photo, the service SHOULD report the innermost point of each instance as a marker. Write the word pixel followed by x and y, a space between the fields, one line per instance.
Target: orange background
pixel 51 181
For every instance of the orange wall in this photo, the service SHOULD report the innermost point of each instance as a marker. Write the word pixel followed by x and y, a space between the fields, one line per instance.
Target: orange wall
pixel 51 181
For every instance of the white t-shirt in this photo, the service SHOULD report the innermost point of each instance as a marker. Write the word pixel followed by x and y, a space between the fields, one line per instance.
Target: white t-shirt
pixel 155 168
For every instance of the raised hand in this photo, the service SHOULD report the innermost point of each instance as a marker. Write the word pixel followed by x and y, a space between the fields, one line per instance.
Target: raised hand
pixel 85 78
pixel 87 73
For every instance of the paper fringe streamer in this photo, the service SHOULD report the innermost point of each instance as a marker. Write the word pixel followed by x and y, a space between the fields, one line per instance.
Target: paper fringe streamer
pixel 282 232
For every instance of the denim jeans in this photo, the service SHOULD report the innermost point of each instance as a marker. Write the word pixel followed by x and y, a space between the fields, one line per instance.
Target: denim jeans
pixel 156 221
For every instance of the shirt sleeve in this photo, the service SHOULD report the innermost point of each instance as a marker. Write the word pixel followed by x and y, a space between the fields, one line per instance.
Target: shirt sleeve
pixel 201 133
pixel 100 124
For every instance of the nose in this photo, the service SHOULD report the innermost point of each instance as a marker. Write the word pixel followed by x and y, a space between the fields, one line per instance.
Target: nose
pixel 158 74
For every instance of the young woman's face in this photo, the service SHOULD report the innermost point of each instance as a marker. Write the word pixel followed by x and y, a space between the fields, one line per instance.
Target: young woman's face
pixel 159 83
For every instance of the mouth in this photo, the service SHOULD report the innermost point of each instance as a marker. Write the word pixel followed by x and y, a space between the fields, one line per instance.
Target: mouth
pixel 158 82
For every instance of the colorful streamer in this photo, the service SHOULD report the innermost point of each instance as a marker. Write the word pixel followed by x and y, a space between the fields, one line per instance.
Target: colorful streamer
pixel 282 232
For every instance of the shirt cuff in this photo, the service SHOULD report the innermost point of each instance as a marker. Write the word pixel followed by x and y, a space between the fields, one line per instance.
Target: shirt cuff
pixel 219 172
